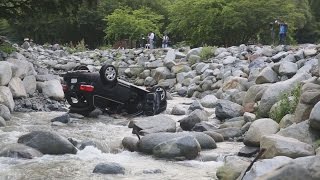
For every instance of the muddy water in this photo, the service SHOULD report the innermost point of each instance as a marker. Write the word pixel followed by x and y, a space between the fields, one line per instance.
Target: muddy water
pixel 108 131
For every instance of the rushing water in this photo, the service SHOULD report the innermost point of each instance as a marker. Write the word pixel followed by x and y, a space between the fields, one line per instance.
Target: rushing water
pixel 109 132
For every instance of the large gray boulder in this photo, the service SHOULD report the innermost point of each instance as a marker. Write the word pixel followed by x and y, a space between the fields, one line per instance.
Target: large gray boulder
pixel 154 124
pixel 271 95
pixel 265 166
pixel 2 122
pixel 48 142
pixel 277 145
pixel 5 73
pixel 109 168
pixel 19 151
pixel 53 89
pixel 192 119
pixel 267 75
pixel 21 68
pixel 187 147
pixel 209 101
pixel 5 112
pixel 17 88
pixel 258 129
pixel 226 109
pixel 30 84
pixel 161 73
pixel 301 132
pixel 232 168
pixel 300 168
pixel 178 110
pixel 169 59
pixel 315 117
pixel 288 68
pixel 229 133
pixel 6 97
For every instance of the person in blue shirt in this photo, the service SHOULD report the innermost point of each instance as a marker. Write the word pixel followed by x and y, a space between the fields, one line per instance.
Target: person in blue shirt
pixel 283 29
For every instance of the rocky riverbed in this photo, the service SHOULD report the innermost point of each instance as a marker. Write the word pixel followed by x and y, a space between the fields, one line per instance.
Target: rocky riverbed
pixel 222 110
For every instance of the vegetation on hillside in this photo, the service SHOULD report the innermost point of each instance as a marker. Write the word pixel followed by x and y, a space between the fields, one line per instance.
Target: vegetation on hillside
pixel 194 22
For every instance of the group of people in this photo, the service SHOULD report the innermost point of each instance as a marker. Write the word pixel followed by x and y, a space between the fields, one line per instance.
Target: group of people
pixel 151 41
pixel 283 29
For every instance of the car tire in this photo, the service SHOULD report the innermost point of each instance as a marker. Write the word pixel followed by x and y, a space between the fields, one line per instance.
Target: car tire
pixel 81 67
pixel 108 74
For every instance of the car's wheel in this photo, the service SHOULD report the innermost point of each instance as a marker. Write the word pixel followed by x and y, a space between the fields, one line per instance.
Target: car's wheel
pixel 108 74
pixel 81 67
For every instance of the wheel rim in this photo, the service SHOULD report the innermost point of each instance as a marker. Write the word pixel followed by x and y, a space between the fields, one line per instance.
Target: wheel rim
pixel 161 92
pixel 110 73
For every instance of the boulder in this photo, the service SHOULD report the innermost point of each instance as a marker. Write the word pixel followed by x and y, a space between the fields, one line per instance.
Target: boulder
pixel 226 109
pixel 309 52
pixel 5 73
pixel 286 121
pixel 130 143
pixel 310 94
pixel 5 112
pixel 229 133
pixel 160 73
pixel 232 169
pixel 154 124
pixel 248 151
pixel 302 132
pixel 255 93
pixel 192 119
pixel 203 126
pixel 187 147
pixel 65 118
pixel 19 151
pixel 169 59
pixel 277 145
pixel 271 95
pixel 53 89
pixel 17 88
pixel 267 75
pixel 21 68
pixel 300 168
pixel 214 135
pixel 47 142
pixel 178 110
pixel 195 105
pixel 30 84
pixel 6 97
pixel 315 117
pixel 258 129
pixel 209 101
pixel 288 68
pixel 302 112
pixel 109 168
pixel 265 166
pixel 2 122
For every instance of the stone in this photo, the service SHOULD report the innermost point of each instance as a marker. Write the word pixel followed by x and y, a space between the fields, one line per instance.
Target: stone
pixel 315 117
pixel 2 122
pixel 232 169
pixel 5 112
pixel 258 129
pixel 249 117
pixel 21 68
pixel 267 75
pixel 178 110
pixel 203 126
pixel 209 101
pixel 130 143
pixel 309 52
pixel 229 124
pixel 187 147
pixel 47 142
pixel 6 97
pixel 216 136
pixel 109 168
pixel 30 84
pixel 229 133
pixel 248 151
pixel 65 118
pixel 265 166
pixel 302 112
pixel 195 105
pixel 19 151
pixel 300 168
pixel 277 145
pixel 286 121
pixel 17 88
pixel 169 59
pixel 226 109
pixel 160 73
pixel 5 73
pixel 53 89
pixel 154 124
pixel 197 116
pixel 288 68
pixel 310 94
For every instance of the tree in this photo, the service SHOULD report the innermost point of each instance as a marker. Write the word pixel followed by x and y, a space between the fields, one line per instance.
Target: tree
pixel 130 24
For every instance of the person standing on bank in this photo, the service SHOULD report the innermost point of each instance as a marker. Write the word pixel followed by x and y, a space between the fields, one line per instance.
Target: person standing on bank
pixel 165 41
pixel 283 29
pixel 151 38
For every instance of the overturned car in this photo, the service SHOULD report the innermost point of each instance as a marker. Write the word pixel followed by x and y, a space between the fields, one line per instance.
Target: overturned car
pixel 85 91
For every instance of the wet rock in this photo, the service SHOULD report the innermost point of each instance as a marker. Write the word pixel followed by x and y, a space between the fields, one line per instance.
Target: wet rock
pixel 258 129
pixel 192 119
pixel 216 136
pixel 154 124
pixel 265 166
pixel 5 112
pixel 5 73
pixel 53 89
pixel 47 142
pixel 6 97
pixel 152 171
pixel 277 145
pixel 187 147
pixel 226 109
pixel 95 113
pixel 109 168
pixel 2 122
pixel 19 151
pixel 130 143
pixel 300 168
pixel 65 118
pixel 248 151
pixel 203 126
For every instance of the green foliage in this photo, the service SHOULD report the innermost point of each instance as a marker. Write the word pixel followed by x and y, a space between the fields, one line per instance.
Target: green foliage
pixel 79 47
pixel 317 144
pixel 287 104
pixel 7 48
pixel 130 24
pixel 207 52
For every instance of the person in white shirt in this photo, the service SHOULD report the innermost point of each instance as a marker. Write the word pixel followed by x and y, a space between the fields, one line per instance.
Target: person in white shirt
pixel 151 38
pixel 165 41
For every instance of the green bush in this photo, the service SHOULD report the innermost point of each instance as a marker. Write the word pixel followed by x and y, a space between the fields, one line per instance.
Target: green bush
pixel 207 52
pixel 7 48
pixel 287 104
pixel 79 47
